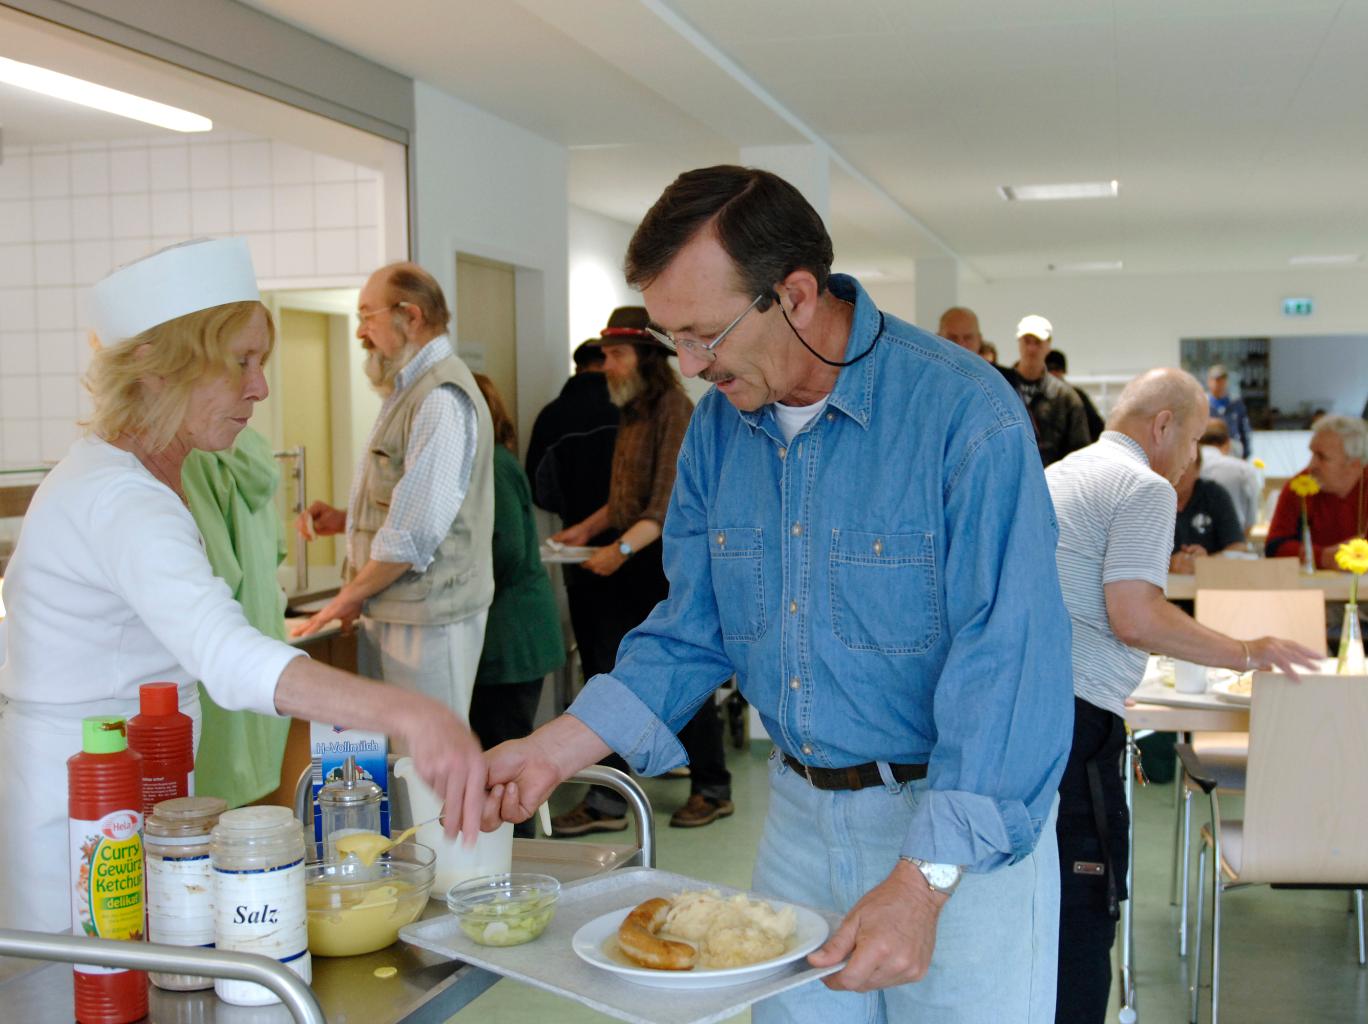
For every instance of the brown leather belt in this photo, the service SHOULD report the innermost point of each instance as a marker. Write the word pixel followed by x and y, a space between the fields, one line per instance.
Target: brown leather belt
pixel 857 776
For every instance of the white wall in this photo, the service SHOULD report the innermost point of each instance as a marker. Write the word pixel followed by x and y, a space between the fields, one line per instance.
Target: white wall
pixel 71 213
pixel 597 287
pixel 1120 324
pixel 485 187
pixel 1329 373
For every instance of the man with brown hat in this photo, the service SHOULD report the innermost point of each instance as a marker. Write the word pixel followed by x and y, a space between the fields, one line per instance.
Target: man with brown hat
pixel 626 535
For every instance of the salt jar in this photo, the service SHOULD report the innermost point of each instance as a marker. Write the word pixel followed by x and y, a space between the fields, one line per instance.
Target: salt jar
pixel 258 862
pixel 180 880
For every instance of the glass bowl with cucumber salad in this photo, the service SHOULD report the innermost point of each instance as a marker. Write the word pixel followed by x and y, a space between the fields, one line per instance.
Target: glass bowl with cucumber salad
pixel 504 910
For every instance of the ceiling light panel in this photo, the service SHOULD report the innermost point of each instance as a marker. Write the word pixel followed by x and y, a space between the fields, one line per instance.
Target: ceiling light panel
pixel 1331 260
pixel 1074 190
pixel 99 97
pixel 1087 266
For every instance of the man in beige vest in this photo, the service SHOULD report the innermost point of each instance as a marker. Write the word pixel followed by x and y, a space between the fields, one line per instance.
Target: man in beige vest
pixel 419 522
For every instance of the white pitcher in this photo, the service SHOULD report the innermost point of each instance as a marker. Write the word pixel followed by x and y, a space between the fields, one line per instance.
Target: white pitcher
pixel 492 853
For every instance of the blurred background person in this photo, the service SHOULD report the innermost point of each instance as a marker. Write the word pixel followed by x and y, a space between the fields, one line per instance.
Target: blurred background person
pixel 1223 404
pixel 1056 411
pixel 1057 363
pixel 1339 462
pixel 1239 478
pixel 1206 523
pixel 522 641
pixel 655 415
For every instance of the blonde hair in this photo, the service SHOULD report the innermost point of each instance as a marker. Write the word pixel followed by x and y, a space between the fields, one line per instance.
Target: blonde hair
pixel 180 353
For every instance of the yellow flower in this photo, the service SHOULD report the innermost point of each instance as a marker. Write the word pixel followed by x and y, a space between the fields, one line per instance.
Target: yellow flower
pixel 1304 485
pixel 1352 556
pixel 1260 464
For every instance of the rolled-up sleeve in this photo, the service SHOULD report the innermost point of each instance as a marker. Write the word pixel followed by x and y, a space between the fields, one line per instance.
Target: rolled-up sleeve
pixel 670 664
pixel 1003 706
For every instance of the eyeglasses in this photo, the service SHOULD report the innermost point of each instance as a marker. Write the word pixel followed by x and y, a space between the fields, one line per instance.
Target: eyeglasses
pixel 363 317
pixel 696 347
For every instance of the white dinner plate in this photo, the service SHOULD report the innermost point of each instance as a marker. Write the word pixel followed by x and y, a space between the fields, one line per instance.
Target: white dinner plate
pixel 589 943
pixel 552 552
pixel 1222 690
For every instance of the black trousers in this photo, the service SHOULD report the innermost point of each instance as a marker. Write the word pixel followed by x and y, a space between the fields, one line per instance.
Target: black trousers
pixel 506 711
pixel 603 610
pixel 1087 927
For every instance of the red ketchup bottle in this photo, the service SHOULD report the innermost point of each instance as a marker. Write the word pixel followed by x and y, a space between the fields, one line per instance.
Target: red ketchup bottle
pixel 165 739
pixel 104 799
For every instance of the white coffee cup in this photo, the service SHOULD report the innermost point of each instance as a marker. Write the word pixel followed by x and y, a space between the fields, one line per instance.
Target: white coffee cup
pixel 1189 677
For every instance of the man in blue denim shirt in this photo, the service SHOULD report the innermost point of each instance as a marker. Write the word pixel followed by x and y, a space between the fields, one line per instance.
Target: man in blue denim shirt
pixel 860 531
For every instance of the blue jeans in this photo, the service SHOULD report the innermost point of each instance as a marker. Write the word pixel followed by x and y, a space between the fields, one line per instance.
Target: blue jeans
pixel 997 939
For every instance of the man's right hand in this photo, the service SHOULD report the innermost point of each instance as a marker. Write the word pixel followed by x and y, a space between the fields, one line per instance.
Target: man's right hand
pixel 522 773
pixel 320 520
pixel 1286 655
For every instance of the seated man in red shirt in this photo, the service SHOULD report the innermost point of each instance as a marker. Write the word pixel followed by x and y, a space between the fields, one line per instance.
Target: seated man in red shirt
pixel 1339 462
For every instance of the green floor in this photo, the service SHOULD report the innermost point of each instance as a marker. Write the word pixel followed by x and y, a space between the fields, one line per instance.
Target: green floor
pixel 1289 956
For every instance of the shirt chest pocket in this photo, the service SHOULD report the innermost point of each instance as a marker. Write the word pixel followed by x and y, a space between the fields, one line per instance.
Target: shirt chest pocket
pixel 884 593
pixel 737 557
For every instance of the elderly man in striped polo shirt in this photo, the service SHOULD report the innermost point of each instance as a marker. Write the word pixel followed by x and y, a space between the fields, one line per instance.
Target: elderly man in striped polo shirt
pixel 1115 501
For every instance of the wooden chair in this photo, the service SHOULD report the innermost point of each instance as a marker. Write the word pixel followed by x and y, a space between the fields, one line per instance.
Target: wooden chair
pixel 1303 819
pixel 1244 614
pixel 1218 573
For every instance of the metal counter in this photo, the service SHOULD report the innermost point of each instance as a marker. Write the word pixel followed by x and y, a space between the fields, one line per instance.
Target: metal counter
pixel 426 988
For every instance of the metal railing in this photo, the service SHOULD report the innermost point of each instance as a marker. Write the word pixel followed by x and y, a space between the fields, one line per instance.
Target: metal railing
pixel 153 956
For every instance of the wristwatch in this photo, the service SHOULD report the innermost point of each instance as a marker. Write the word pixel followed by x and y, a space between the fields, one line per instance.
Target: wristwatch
pixel 942 878
pixel 624 549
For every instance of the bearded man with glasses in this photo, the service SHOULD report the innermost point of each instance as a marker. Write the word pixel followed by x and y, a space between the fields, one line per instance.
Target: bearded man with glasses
pixel 859 531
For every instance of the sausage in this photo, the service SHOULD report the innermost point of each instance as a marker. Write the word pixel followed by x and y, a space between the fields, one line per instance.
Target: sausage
pixel 639 942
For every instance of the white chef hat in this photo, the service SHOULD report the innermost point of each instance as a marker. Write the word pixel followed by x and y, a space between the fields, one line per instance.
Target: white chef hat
pixel 172 282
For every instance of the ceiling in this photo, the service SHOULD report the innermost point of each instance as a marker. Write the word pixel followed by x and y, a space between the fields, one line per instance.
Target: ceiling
pixel 1238 129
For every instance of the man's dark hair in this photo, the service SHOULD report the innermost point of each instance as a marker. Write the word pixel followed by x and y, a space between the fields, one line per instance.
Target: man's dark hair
pixel 764 224
pixel 587 354
pixel 1056 361
pixel 657 378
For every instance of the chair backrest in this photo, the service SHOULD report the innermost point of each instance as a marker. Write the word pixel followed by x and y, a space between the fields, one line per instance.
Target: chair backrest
pixel 1307 787
pixel 1246 614
pixel 1247 574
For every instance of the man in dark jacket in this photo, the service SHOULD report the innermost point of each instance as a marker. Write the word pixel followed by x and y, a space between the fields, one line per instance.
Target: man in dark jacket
pixel 1061 426
pixel 1058 365
pixel 577 429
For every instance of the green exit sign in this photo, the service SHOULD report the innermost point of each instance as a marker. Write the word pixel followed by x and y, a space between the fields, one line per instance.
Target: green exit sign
pixel 1297 307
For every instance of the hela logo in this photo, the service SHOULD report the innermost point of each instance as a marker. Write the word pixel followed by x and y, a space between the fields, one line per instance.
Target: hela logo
pixel 120 825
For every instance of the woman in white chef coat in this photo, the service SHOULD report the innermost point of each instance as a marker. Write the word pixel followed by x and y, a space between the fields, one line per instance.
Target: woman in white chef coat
pixel 109 586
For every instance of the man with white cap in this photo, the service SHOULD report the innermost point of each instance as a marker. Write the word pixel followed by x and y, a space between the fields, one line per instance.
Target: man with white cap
pixel 110 588
pixel 420 518
pixel 1060 421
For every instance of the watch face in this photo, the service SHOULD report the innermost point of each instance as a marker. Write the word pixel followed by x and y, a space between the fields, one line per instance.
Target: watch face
pixel 625 548
pixel 941 876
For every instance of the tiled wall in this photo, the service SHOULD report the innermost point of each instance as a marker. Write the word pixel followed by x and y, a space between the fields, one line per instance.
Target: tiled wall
pixel 70 214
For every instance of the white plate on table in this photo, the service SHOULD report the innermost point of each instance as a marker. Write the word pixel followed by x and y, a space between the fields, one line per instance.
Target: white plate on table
pixel 564 553
pixel 589 942
pixel 1222 688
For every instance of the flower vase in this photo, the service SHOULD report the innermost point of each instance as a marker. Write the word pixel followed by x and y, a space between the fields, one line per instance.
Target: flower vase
pixel 1308 552
pixel 1352 661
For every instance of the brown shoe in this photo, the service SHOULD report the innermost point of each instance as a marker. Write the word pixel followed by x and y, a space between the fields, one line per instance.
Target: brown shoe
pixel 701 810
pixel 582 819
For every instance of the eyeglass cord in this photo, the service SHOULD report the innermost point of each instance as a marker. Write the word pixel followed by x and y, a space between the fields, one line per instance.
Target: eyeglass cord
pixel 830 362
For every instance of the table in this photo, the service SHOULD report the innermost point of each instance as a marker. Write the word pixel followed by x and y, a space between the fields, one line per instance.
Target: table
pixel 1160 708
pixel 426 988
pixel 1334 585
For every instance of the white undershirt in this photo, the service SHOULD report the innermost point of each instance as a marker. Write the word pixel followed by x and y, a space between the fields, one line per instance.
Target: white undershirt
pixel 793 418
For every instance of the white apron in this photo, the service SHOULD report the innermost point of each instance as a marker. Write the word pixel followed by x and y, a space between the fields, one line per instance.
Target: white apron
pixel 35 742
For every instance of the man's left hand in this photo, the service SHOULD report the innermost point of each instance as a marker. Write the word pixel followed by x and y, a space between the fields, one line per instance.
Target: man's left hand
pixel 605 560
pixel 888 936
pixel 344 607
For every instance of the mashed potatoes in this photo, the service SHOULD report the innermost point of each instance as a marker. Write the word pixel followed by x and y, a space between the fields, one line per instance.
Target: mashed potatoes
pixel 729 932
